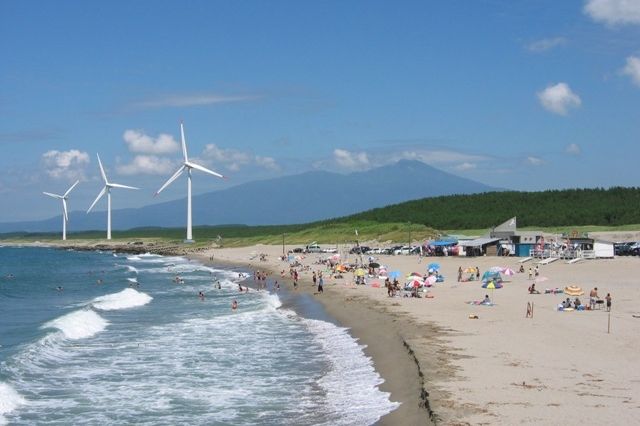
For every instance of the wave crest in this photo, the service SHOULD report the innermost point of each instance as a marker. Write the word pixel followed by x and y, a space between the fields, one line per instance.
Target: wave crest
pixel 127 298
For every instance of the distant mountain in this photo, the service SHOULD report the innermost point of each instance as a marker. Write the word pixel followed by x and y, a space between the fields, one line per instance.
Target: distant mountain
pixel 300 198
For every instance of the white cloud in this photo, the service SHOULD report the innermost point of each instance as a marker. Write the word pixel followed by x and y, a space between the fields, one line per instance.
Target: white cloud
pixel 613 12
pixel 465 166
pixel 190 100
pixel 546 44
pixel 268 163
pixel 230 158
pixel 65 164
pixel 573 149
pixel 139 142
pixel 632 69
pixel 559 98
pixel 534 161
pixel 147 165
pixel 350 160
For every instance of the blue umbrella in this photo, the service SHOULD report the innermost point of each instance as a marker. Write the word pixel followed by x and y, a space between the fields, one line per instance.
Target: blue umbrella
pixel 394 274
pixel 435 266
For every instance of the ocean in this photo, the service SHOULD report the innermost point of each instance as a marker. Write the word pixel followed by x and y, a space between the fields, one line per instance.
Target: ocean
pixel 105 338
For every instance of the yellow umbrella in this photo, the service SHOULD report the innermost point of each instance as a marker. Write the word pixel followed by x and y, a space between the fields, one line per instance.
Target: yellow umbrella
pixel 470 270
pixel 360 272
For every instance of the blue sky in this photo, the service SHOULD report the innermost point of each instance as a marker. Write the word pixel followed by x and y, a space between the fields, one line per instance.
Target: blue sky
pixel 527 95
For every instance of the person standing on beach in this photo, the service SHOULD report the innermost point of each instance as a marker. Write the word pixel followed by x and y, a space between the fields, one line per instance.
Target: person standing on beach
pixel 320 284
pixel 314 278
pixel 530 272
pixel 459 273
pixel 608 299
pixel 593 297
pixel 477 273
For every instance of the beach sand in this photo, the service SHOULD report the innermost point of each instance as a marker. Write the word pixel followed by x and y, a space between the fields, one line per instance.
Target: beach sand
pixel 502 368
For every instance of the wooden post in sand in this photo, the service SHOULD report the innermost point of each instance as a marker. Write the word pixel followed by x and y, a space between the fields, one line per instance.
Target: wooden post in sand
pixel 529 310
pixel 609 322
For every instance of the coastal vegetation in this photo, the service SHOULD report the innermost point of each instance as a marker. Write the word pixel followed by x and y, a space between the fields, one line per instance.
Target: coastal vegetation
pixel 556 211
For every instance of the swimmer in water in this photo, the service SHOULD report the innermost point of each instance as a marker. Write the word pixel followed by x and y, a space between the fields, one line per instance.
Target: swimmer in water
pixel 201 295
pixel 234 305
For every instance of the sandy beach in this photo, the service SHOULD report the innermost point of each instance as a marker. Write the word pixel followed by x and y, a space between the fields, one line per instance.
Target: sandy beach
pixel 501 368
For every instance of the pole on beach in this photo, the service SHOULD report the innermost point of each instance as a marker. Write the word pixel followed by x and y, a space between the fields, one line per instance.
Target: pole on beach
pixel 609 322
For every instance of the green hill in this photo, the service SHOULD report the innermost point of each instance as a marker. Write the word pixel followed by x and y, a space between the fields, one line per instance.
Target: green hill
pixel 554 208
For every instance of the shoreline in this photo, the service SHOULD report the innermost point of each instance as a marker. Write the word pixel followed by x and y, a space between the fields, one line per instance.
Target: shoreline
pixel 387 338
pixel 477 364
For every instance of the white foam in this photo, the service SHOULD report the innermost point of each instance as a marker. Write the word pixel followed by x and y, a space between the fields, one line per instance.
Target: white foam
pixel 131 269
pixel 127 298
pixel 352 383
pixel 149 255
pixel 9 401
pixel 133 280
pixel 78 324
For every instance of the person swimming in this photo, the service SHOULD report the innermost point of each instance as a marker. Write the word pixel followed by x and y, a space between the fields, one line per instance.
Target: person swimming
pixel 234 305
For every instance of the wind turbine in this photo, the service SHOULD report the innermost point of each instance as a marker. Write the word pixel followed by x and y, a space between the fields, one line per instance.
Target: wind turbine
pixel 187 165
pixel 107 189
pixel 65 215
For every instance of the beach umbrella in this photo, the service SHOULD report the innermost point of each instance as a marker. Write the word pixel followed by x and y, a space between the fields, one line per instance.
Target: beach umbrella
pixel 435 266
pixel 335 257
pixel 415 274
pixel 508 272
pixel 341 268
pixel 374 265
pixel 360 272
pixel 431 280
pixel 496 269
pixel 394 274
pixel 470 270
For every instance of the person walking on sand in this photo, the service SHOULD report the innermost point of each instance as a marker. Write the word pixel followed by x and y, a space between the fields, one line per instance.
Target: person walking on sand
pixel 530 272
pixel 320 284
pixel 593 297
pixel 477 273
pixel 608 300
pixel 314 278
pixel 459 273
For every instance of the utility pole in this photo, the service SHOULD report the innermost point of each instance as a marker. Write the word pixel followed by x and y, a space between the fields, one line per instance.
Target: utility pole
pixel 283 244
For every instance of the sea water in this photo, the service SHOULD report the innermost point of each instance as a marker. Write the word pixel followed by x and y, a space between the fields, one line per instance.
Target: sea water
pixel 104 338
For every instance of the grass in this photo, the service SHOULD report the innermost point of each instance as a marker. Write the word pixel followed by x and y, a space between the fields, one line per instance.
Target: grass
pixel 301 235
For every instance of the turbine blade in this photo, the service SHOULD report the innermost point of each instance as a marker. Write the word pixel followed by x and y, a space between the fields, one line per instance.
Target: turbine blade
pixel 104 190
pixel 104 176
pixel 64 207
pixel 117 185
pixel 184 143
pixel 175 176
pixel 52 195
pixel 70 189
pixel 204 169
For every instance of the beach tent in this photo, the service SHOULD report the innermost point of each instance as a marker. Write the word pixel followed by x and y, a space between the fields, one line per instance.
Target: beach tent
pixel 492 285
pixel 491 276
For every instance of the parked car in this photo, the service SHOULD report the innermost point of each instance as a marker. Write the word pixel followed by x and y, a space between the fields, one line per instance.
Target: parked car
pixel 402 250
pixel 313 248
pixel 623 249
pixel 298 250
pixel 330 250
pixel 359 250
pixel 634 250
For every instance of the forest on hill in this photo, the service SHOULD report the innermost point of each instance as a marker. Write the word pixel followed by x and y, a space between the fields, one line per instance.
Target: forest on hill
pixel 569 207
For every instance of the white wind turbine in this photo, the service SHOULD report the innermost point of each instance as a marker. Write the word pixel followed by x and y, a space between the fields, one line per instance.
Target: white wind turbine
pixel 65 215
pixel 187 165
pixel 107 189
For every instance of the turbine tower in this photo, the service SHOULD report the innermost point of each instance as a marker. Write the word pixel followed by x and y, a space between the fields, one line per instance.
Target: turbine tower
pixel 107 189
pixel 187 165
pixel 65 215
